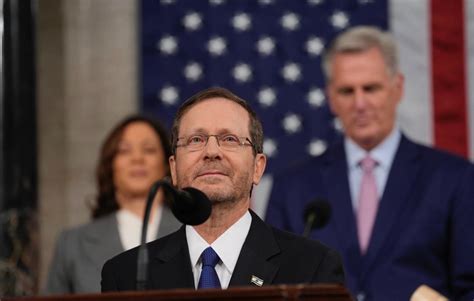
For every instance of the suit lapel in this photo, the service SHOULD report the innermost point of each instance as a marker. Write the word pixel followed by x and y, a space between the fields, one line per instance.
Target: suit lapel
pixel 400 182
pixel 336 180
pixel 170 266
pixel 101 241
pixel 253 262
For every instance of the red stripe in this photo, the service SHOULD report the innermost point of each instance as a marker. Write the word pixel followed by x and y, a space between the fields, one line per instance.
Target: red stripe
pixel 449 75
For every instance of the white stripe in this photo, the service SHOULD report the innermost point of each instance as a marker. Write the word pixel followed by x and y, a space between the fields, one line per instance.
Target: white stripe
pixel 469 38
pixel 410 24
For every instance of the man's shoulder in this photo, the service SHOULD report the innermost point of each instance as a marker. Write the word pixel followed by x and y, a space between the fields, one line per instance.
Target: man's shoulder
pixel 296 243
pixel 308 257
pixel 437 157
pixel 297 248
pixel 285 240
pixel 296 253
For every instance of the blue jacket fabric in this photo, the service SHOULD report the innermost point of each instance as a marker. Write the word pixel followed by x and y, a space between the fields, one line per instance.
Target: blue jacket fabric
pixel 424 229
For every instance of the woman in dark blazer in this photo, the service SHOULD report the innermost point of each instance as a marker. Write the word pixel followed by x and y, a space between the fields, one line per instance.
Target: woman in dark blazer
pixel 133 156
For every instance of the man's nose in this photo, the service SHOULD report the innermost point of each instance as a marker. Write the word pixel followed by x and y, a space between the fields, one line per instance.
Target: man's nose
pixel 360 99
pixel 212 148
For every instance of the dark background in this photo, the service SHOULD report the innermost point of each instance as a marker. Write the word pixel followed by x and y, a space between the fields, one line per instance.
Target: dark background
pixel 18 174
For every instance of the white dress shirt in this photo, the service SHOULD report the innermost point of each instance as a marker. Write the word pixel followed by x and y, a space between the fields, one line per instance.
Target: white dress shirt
pixel 227 246
pixel 130 227
pixel 383 154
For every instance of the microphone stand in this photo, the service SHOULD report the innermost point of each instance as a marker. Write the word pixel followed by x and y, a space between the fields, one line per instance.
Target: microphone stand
pixel 142 261
pixel 190 200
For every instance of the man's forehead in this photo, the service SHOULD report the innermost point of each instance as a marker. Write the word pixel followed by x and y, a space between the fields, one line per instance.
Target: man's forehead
pixel 218 115
pixel 214 102
pixel 360 72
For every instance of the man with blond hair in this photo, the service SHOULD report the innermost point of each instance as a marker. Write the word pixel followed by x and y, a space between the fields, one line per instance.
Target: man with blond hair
pixel 403 213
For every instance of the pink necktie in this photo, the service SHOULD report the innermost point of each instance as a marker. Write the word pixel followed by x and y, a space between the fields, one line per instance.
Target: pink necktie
pixel 368 203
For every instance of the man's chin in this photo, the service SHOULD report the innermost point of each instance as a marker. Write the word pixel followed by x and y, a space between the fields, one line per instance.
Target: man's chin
pixel 216 195
pixel 365 140
pixel 215 188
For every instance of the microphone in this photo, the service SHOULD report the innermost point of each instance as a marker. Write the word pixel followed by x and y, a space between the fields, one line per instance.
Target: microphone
pixel 316 215
pixel 190 206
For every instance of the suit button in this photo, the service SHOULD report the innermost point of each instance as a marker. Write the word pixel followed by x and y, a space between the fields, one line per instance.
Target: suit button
pixel 360 296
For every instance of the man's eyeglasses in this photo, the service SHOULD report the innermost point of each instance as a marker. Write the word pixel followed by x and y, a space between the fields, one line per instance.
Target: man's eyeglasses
pixel 227 142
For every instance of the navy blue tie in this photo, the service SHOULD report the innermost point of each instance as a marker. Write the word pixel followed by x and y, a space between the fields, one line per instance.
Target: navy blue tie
pixel 209 277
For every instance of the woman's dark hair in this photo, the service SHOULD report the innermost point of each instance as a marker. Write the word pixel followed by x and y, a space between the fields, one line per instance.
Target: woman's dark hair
pixel 105 202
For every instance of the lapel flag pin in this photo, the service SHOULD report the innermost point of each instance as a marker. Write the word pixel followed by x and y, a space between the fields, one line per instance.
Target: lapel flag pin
pixel 257 281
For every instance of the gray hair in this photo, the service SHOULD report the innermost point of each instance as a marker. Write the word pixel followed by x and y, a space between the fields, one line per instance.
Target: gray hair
pixel 359 39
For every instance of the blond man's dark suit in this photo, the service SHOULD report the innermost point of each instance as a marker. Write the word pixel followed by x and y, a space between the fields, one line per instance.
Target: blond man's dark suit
pixel 423 232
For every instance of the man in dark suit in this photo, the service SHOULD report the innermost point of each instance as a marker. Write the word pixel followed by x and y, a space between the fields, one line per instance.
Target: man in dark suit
pixel 403 213
pixel 218 148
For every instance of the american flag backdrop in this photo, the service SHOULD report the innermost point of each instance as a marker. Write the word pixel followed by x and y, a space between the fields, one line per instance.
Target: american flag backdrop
pixel 269 53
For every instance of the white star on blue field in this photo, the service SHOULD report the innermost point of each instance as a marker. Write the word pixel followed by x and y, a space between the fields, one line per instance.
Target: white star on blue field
pixel 268 52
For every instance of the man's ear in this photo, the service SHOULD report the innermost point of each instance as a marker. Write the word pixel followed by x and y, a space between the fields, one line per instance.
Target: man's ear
pixel 172 162
pixel 259 168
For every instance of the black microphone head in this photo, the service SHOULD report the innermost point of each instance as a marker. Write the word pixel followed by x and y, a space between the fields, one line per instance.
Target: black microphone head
pixel 193 207
pixel 321 212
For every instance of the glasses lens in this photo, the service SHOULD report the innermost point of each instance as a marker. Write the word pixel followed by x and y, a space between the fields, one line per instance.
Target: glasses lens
pixel 195 142
pixel 229 141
